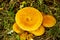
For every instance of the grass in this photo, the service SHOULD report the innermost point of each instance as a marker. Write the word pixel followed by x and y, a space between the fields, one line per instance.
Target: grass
pixel 8 9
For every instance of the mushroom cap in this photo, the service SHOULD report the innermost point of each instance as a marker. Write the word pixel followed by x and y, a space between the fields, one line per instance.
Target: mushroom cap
pixel 40 31
pixel 49 21
pixel 30 36
pixel 29 18
pixel 23 36
pixel 17 29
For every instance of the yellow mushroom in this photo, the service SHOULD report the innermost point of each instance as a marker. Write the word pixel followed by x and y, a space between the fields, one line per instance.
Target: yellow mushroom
pixel 29 18
pixel 17 29
pixel 49 21
pixel 40 31
pixel 23 36
pixel 30 36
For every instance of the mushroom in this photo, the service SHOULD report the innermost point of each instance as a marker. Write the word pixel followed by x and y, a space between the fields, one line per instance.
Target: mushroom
pixel 30 36
pixel 17 29
pixel 49 21
pixel 29 18
pixel 40 31
pixel 23 36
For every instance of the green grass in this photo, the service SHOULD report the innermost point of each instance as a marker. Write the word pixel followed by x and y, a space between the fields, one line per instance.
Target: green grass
pixel 10 8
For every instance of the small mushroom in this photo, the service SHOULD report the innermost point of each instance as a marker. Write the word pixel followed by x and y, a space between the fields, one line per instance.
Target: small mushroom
pixel 30 36
pixel 40 31
pixel 23 36
pixel 49 21
pixel 17 29
pixel 29 18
